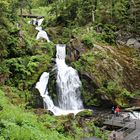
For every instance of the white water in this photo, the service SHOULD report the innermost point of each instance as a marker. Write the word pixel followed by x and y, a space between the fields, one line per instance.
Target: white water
pixel 41 34
pixel 135 115
pixel 41 85
pixel 68 84
pixel 36 22
pixel 40 21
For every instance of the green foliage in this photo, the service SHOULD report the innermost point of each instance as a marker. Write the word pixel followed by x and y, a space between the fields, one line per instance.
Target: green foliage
pixel 120 13
pixel 72 126
pixel 105 17
pixel 88 40
pixel 23 69
pixel 7 19
pixel 23 59
pixel 17 124
pixel 73 11
pixel 137 94
pixel 102 135
pixel 4 68
pixel 84 13
pixel 115 93
pixel 89 60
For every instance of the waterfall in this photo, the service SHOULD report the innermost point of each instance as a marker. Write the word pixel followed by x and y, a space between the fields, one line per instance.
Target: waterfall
pixel 68 82
pixel 41 34
pixel 68 87
pixel 41 85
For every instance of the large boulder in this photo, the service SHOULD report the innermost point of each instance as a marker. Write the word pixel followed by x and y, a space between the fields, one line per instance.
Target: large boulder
pixel 108 71
pixel 137 45
pixel 75 48
pixel 133 42
pixel 85 113
pixel 128 39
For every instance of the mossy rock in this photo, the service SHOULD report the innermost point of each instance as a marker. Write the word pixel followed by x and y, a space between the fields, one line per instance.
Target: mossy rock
pixel 49 112
pixel 85 113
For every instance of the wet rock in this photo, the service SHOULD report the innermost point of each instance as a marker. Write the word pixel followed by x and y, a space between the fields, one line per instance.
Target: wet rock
pixel 36 101
pixel 71 116
pixel 48 112
pixel 122 37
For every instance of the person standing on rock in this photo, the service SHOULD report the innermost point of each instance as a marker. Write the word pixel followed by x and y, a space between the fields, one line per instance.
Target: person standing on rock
pixel 117 111
pixel 113 110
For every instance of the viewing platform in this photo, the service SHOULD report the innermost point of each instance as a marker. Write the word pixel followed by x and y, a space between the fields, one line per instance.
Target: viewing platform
pixel 127 128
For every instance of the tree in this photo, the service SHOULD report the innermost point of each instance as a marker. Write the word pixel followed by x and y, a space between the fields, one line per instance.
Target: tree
pixel 137 15
pixel 21 4
pixel 4 28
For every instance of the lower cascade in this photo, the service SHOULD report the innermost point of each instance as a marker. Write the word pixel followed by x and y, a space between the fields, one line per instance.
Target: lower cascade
pixel 67 84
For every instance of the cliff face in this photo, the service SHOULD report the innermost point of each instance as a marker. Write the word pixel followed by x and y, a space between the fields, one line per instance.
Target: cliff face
pixel 108 73
pixel 117 64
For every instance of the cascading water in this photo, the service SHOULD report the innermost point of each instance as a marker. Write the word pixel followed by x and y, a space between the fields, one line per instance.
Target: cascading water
pixel 42 87
pixel 68 83
pixel 68 87
pixel 41 34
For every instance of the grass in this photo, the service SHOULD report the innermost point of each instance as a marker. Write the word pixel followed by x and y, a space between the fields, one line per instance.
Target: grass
pixel 17 124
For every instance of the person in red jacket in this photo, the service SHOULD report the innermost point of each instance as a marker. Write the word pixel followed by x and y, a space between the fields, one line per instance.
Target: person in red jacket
pixel 117 111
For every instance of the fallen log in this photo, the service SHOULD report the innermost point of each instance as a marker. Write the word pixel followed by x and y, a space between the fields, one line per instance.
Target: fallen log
pixel 134 108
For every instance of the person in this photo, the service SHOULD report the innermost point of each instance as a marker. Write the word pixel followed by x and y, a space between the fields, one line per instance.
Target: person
pixel 113 110
pixel 117 111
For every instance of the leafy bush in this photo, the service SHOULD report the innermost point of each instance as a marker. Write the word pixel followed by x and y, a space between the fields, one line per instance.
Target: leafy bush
pixel 23 69
pixel 88 40
pixel 115 93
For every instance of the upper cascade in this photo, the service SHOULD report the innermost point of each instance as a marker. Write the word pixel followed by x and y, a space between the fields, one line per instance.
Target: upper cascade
pixel 41 34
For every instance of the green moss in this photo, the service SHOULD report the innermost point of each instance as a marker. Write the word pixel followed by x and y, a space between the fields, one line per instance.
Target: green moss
pixel 85 113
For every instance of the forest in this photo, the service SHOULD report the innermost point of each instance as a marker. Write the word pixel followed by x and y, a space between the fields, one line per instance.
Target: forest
pixel 103 46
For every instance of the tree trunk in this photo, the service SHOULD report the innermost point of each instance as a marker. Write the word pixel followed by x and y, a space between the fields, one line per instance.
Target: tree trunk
pixel 21 11
pixel 93 16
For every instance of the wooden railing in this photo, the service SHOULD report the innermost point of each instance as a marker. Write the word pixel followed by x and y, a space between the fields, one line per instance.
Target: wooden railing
pixel 128 128
pixel 137 137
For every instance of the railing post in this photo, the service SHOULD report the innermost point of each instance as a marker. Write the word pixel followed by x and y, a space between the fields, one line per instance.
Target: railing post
pixel 135 124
